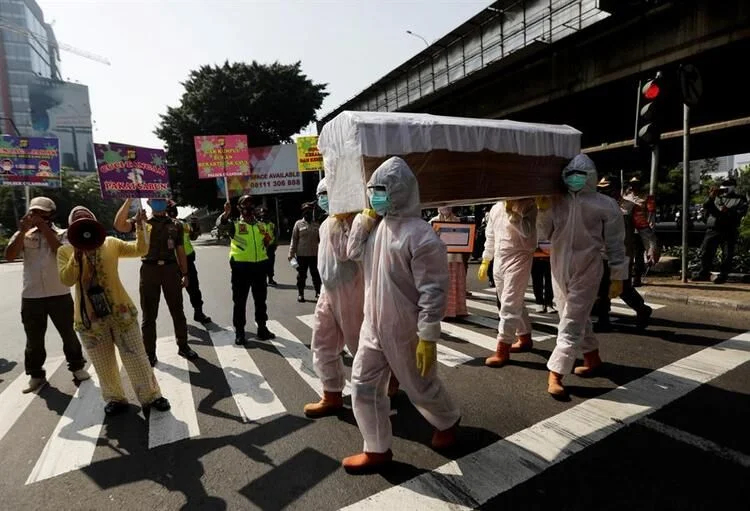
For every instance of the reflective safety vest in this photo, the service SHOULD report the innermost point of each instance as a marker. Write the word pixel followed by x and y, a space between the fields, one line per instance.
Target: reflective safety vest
pixel 188 245
pixel 247 244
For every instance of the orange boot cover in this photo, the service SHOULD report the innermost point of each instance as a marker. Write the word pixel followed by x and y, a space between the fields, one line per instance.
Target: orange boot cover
pixel 500 357
pixel 523 343
pixel 367 462
pixel 445 439
pixel 591 364
pixel 555 386
pixel 331 403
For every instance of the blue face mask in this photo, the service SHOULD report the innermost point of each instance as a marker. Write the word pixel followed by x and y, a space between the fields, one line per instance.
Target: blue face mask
pixel 575 182
pixel 380 201
pixel 323 202
pixel 158 205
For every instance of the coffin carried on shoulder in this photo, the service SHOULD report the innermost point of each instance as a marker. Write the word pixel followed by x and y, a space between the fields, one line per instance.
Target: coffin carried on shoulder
pixel 456 160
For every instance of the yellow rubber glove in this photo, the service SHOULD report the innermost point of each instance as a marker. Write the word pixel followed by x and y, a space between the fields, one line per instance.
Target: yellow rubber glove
pixel 542 203
pixel 426 356
pixel 615 288
pixel 483 269
pixel 370 212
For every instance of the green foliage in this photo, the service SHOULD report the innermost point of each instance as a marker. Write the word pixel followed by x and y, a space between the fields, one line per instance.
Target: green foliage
pixel 268 103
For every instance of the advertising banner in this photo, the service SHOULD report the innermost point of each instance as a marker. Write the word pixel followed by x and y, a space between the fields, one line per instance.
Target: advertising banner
pixel 33 161
pixel 308 156
pixel 222 155
pixel 274 170
pixel 131 172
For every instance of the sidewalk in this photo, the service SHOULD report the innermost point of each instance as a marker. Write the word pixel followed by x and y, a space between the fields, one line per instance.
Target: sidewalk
pixel 730 296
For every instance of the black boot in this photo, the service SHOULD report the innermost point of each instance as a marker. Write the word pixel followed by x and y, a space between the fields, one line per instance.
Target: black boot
pixel 643 316
pixel 201 318
pixel 264 334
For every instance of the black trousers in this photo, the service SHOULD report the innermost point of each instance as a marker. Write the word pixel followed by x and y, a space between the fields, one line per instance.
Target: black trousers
pixel 711 242
pixel 34 314
pixel 248 277
pixel 541 281
pixel 271 251
pixel 629 295
pixel 193 288
pixel 305 263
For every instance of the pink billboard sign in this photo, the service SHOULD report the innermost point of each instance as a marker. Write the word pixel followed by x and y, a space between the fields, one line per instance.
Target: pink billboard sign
pixel 222 156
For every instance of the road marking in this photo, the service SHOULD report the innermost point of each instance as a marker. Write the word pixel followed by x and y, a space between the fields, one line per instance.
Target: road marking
pixel 181 421
pixel 299 357
pixel 71 445
pixel 701 443
pixel 539 319
pixel 446 356
pixel 13 402
pixel 469 482
pixel 254 397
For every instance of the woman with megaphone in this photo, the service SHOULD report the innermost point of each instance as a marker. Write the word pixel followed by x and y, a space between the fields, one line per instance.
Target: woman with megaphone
pixel 105 316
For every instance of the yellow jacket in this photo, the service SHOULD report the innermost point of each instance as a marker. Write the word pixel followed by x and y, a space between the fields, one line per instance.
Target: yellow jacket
pixel 124 313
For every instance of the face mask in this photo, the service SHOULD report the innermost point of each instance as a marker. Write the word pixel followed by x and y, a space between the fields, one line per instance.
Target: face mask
pixel 575 182
pixel 158 205
pixel 323 202
pixel 380 202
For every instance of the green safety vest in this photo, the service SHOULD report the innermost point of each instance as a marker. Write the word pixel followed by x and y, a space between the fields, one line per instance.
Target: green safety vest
pixel 270 228
pixel 247 244
pixel 188 245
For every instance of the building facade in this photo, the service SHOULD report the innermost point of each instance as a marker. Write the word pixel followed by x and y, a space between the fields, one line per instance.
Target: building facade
pixel 34 100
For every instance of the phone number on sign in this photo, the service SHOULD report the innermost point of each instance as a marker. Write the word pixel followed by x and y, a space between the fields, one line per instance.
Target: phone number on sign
pixel 278 183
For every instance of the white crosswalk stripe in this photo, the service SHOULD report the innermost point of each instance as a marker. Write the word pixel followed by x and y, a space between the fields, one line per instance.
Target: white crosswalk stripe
pixel 173 376
pixel 254 397
pixel 13 402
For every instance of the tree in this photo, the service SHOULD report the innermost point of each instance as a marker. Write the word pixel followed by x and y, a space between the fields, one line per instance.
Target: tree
pixel 268 103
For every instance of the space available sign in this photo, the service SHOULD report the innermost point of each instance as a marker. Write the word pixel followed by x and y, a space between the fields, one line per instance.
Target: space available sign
pixel 131 172
pixel 33 161
pixel 273 169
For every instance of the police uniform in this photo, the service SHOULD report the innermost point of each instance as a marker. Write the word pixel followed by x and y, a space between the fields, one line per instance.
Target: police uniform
pixel 270 228
pixel 160 272
pixel 193 287
pixel 248 261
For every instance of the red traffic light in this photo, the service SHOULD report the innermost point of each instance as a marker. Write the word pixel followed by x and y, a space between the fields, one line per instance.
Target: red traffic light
pixel 651 90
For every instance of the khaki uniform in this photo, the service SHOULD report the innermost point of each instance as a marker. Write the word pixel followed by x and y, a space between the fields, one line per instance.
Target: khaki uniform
pixel 160 272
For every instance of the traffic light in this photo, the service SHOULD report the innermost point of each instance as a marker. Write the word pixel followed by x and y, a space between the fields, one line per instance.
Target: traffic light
pixel 651 111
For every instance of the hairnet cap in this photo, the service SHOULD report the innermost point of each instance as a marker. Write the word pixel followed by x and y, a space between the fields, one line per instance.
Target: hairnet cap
pixel 604 182
pixel 635 179
pixel 43 204
pixel 322 187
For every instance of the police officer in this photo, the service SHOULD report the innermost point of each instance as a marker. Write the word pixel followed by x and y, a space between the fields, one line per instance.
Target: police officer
pixel 191 233
pixel 248 260
pixel 164 269
pixel 270 227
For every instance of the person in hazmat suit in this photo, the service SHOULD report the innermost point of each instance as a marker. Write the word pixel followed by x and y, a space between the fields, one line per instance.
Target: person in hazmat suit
pixel 511 242
pixel 339 311
pixel 579 225
pixel 406 275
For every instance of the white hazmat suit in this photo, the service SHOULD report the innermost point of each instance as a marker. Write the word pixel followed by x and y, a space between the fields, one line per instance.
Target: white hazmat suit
pixel 339 312
pixel 511 241
pixel 579 225
pixel 406 275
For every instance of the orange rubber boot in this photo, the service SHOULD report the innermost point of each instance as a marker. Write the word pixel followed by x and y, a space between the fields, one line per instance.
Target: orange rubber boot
pixel 523 343
pixel 445 439
pixel 555 386
pixel 331 403
pixel 591 364
pixel 500 357
pixel 367 462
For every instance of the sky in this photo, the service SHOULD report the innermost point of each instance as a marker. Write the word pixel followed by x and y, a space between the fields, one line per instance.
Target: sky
pixel 154 44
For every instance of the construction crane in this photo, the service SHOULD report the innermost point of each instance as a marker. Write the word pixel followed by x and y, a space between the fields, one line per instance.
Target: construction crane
pixel 6 25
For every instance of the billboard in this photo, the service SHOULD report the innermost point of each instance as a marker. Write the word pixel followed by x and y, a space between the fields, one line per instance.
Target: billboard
pixel 61 110
pixel 221 155
pixel 132 172
pixel 273 170
pixel 309 158
pixel 33 161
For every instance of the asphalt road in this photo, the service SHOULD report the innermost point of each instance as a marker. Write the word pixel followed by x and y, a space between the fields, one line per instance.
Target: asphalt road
pixel 672 436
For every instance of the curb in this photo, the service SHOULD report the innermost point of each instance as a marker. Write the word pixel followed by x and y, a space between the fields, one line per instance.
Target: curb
pixel 702 301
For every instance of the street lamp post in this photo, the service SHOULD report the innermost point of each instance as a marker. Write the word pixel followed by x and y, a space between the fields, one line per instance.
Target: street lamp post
pixel 419 36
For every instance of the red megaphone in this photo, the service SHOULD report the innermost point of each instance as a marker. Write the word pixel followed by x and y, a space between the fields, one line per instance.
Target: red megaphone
pixel 86 234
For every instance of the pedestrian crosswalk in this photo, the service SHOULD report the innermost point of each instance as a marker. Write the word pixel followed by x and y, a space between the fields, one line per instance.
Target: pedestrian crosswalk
pixel 72 442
